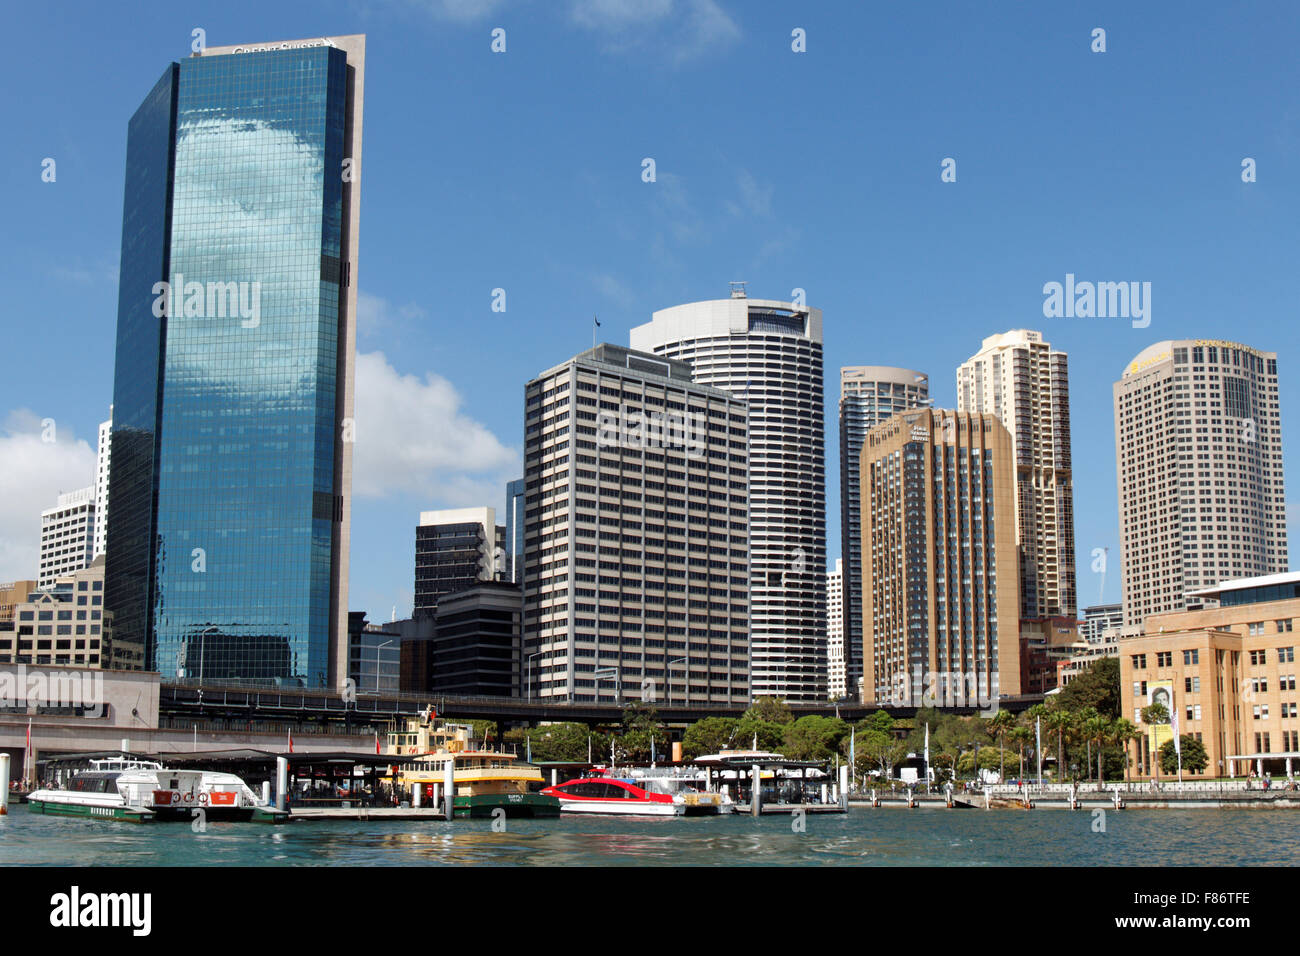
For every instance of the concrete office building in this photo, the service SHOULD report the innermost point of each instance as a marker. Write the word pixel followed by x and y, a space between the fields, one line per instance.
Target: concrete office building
pixel 1198 451
pixel 374 655
pixel 869 395
pixel 13 593
pixel 455 548
pixel 476 645
pixel 103 460
pixel 836 682
pixel 1228 673
pixel 231 474
pixel 67 536
pixel 768 354
pixel 1023 382
pixel 60 625
pixel 1100 619
pixel 940 590
pixel 636 570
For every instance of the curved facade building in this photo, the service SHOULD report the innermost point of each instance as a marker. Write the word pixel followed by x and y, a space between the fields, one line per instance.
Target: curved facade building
pixel 769 353
pixel 1198 449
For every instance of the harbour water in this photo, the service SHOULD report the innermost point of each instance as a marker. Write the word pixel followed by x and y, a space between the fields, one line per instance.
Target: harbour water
pixel 862 837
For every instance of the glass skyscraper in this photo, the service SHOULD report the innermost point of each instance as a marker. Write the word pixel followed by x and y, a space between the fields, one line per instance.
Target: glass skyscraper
pixel 235 362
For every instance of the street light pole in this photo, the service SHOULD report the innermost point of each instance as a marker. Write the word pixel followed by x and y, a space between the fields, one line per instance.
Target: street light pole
pixel 377 650
pixel 530 674
pixel 668 682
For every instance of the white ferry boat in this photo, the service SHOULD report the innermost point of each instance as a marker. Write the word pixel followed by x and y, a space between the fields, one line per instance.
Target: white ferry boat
pixel 140 791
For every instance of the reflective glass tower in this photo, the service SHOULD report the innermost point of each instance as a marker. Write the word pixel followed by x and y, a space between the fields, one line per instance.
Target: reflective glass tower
pixel 234 370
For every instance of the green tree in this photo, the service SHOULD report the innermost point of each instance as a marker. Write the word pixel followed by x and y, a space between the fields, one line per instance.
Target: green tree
pixel 814 738
pixel 1122 731
pixel 643 737
pixel 564 741
pixel 1194 757
pixel 767 734
pixel 1096 728
pixel 1059 721
pixel 877 750
pixel 1097 687
pixel 709 736
pixel 770 709
pixel 1020 737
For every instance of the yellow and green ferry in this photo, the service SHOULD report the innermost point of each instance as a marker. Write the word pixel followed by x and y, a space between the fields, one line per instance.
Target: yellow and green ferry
pixel 484 780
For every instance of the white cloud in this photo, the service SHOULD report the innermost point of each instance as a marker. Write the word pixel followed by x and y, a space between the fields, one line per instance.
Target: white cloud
pixel 614 290
pixel 755 198
pixel 461 11
pixel 34 472
pixel 375 314
pixel 413 437
pixel 689 28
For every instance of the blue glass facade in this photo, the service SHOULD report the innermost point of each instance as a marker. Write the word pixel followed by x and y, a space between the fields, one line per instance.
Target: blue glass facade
pixel 245 413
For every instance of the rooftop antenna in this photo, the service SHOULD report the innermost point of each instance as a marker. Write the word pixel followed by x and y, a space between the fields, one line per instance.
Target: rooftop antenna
pixel 738 290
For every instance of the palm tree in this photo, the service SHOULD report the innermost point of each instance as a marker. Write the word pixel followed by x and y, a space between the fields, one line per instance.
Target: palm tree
pixel 1122 730
pixel 997 726
pixel 1020 735
pixel 1096 728
pixel 1059 720
pixel 1033 715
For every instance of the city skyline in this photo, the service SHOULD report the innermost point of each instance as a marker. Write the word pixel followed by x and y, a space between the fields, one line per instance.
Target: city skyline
pixel 397 352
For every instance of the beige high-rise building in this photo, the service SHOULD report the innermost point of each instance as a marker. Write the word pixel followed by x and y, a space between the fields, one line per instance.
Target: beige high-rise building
pixel 1023 381
pixel 636 534
pixel 837 678
pixel 940 588
pixel 1198 451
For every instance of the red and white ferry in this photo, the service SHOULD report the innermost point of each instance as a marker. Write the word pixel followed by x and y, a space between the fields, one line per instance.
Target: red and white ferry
pixel 601 793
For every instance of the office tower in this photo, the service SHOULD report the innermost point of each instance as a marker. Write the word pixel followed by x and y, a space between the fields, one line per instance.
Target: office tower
pixel 836 681
pixel 515 530
pixel 869 395
pixel 1100 619
pixel 233 392
pixel 59 625
pixel 1227 671
pixel 769 354
pixel 374 655
pixel 67 535
pixel 102 462
pixel 454 550
pixel 635 562
pixel 13 593
pixel 476 644
pixel 1023 382
pixel 940 590
pixel 1198 452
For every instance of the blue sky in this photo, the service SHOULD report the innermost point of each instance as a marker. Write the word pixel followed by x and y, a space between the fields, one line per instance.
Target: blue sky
pixel 819 170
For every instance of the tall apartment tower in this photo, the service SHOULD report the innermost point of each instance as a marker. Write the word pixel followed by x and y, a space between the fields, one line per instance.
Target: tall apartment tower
pixel 67 535
pixel 1023 382
pixel 233 390
pixel 636 568
pixel 455 549
pixel 869 395
pixel 1198 450
pixel 940 592
pixel 836 674
pixel 102 462
pixel 769 354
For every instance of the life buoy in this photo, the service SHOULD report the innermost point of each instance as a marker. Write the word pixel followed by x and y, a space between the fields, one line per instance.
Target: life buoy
pixel 203 798
pixel 188 796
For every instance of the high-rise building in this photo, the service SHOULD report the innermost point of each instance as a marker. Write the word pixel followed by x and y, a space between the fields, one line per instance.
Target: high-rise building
pixel 940 592
pixel 455 549
pixel 1023 382
pixel 869 395
pixel 67 535
pixel 836 681
pixel 1198 451
pixel 769 354
pixel 515 500
pixel 102 461
pixel 233 389
pixel 636 535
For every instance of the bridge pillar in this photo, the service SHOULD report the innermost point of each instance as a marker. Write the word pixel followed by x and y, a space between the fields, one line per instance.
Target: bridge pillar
pixel 281 783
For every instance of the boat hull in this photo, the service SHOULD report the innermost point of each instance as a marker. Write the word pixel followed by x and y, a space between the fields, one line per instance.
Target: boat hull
pixel 522 805
pixel 89 811
pixel 624 808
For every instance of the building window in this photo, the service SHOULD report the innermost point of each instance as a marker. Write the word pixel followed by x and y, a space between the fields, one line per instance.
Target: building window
pixel 1165 659
pixel 1139 661
pixel 1192 657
